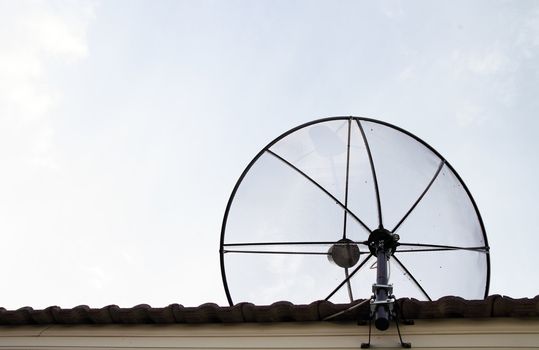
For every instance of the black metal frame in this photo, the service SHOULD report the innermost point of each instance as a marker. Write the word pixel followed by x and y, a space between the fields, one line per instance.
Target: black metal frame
pixel 424 247
pixel 358 120
pixel 342 205
pixel 345 213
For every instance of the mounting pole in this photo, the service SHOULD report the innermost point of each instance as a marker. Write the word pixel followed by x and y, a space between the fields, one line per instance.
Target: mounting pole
pixel 381 312
pixel 382 244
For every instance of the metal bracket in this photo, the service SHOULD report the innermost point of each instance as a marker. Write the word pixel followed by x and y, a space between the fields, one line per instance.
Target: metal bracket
pixel 405 345
pixel 389 301
pixel 388 287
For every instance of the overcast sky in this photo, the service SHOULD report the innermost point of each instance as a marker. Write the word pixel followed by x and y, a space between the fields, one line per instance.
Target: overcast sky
pixel 124 126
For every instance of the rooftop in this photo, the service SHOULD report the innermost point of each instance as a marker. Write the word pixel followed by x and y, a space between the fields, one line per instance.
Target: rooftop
pixel 282 311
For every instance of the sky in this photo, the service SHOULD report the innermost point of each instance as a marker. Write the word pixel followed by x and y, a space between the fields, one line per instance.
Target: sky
pixel 124 126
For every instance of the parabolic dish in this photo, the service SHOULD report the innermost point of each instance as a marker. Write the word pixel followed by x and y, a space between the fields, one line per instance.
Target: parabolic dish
pixel 298 221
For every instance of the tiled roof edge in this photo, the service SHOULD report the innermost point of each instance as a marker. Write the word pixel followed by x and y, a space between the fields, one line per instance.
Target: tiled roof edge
pixel 282 311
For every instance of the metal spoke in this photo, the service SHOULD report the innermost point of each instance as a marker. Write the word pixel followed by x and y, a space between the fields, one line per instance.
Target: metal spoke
pixel 272 252
pixel 420 197
pixel 321 188
pixel 240 244
pixel 480 250
pixel 373 170
pixel 483 249
pixel 412 277
pixel 348 284
pixel 345 214
pixel 349 276
pixel 346 186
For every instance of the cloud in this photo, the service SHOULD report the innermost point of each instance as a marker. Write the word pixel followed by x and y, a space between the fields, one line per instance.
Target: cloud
pixel 528 36
pixel 485 62
pixel 54 34
pixel 32 34
pixel 469 114
pixel 392 9
pixel 407 73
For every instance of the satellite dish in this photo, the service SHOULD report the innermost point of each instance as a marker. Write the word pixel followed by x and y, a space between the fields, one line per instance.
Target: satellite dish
pixel 337 204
